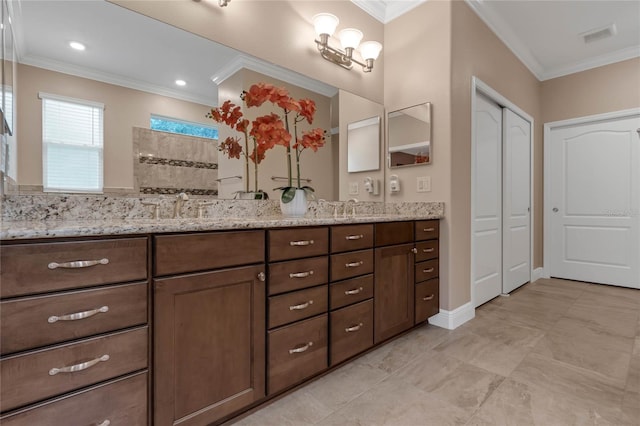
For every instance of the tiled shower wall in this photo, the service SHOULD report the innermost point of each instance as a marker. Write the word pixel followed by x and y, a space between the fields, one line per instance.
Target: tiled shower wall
pixel 168 163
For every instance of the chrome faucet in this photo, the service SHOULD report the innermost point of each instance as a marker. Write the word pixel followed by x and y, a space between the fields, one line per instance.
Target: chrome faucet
pixel 353 210
pixel 177 208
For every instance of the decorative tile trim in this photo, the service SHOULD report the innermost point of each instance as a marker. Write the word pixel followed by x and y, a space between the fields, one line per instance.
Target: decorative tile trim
pixel 177 163
pixel 192 191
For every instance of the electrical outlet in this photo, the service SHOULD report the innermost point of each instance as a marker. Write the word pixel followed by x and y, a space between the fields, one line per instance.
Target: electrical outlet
pixel 353 188
pixel 423 184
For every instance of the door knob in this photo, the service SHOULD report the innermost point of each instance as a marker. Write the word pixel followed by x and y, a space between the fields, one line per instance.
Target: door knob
pixel 555 209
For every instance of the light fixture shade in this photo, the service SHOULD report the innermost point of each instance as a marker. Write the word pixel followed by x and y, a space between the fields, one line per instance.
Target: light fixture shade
pixel 350 37
pixel 325 23
pixel 370 50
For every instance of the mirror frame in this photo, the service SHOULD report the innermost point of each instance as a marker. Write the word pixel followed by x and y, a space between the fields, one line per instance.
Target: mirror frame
pixel 427 142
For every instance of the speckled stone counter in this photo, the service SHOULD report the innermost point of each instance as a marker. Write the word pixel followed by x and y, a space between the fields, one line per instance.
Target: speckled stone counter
pixel 69 216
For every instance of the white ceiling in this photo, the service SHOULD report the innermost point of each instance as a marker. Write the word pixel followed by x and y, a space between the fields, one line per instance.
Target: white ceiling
pixel 134 51
pixel 546 35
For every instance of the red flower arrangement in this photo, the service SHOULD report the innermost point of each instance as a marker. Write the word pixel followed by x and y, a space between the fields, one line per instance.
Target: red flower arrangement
pixel 270 130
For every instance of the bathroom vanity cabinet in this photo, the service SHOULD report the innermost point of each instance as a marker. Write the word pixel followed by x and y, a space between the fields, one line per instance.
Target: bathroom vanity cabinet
pixel 235 317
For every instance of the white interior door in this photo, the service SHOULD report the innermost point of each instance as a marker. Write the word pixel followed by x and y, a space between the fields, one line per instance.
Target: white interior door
pixel 516 209
pixel 595 207
pixel 487 201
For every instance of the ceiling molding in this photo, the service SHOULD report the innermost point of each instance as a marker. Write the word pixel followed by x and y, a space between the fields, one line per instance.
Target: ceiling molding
pixel 503 30
pixel 115 79
pixel 386 11
pixel 602 60
pixel 274 71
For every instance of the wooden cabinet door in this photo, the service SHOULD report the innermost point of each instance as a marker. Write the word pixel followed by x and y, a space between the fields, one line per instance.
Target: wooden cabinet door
pixel 209 345
pixel 394 290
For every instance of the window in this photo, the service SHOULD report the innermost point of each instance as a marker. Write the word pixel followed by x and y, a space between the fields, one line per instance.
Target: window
pixel 72 141
pixel 173 125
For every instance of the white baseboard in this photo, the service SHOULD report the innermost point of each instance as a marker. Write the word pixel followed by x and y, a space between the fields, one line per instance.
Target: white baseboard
pixel 453 319
pixel 537 274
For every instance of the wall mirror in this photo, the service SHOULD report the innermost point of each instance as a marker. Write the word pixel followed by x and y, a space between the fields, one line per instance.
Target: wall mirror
pixel 410 136
pixel 363 145
pixel 131 64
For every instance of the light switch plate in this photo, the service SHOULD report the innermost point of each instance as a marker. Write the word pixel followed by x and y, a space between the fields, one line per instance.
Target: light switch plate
pixel 423 184
pixel 353 188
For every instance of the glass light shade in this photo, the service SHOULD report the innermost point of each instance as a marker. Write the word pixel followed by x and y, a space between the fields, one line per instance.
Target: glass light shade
pixel 325 23
pixel 370 50
pixel 350 37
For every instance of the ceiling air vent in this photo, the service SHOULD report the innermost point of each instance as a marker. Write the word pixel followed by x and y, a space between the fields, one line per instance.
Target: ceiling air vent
pixel 599 33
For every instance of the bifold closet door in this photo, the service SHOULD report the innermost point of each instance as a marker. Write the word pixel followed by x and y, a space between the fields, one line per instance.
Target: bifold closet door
pixel 487 201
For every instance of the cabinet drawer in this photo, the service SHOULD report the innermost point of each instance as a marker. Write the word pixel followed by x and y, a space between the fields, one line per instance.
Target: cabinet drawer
pixel 351 237
pixel 198 252
pixel 427 299
pixel 43 320
pixel 427 250
pixel 426 270
pixel 121 402
pixel 298 305
pixel 40 268
pixel 351 331
pixel 427 229
pixel 393 233
pixel 298 274
pixel 295 243
pixel 352 264
pixel 38 375
pixel 347 292
pixel 296 352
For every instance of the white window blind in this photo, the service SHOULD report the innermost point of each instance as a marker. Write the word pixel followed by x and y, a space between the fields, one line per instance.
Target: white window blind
pixel 72 141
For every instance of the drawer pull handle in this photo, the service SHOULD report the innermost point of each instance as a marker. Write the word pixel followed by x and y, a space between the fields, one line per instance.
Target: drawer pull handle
pixel 78 315
pixel 354 264
pixel 428 270
pixel 428 229
pixel 261 276
pixel 354 237
pixel 414 250
pixel 430 297
pixel 78 367
pixel 78 264
pixel 301 243
pixel 428 250
pixel 300 349
pixel 301 306
pixel 105 423
pixel 354 291
pixel 301 274
pixel 353 328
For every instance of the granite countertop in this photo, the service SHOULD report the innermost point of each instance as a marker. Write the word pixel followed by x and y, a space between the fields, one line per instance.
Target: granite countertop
pixel 14 230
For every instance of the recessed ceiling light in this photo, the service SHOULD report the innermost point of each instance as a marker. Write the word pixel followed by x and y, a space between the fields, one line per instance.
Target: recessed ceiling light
pixel 181 82
pixel 77 46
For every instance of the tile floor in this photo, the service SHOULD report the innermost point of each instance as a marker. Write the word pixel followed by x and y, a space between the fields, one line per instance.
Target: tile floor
pixel 553 353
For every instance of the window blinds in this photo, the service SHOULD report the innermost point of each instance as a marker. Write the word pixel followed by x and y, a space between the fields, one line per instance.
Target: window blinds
pixel 72 142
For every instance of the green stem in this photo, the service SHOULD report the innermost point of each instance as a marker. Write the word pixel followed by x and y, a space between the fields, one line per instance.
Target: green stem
pixel 255 164
pixel 246 162
pixel 286 122
pixel 295 135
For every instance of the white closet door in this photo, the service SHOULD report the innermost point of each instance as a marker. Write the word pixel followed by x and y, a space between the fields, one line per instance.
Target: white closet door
pixel 516 212
pixel 595 191
pixel 487 201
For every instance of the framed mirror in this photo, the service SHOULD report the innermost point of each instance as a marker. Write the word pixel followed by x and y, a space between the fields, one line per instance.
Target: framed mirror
pixel 363 145
pixel 410 136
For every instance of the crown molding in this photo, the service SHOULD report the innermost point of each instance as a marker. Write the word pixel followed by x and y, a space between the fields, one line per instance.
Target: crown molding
pixel 386 11
pixel 116 80
pixel 274 71
pixel 602 60
pixel 501 29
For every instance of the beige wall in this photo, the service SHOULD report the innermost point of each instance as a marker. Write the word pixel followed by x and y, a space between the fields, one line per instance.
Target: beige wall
pixel 276 31
pixel 124 109
pixel 478 52
pixel 610 88
pixel 418 69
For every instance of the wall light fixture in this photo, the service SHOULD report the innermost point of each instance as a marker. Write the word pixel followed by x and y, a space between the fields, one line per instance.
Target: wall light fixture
pixel 325 25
